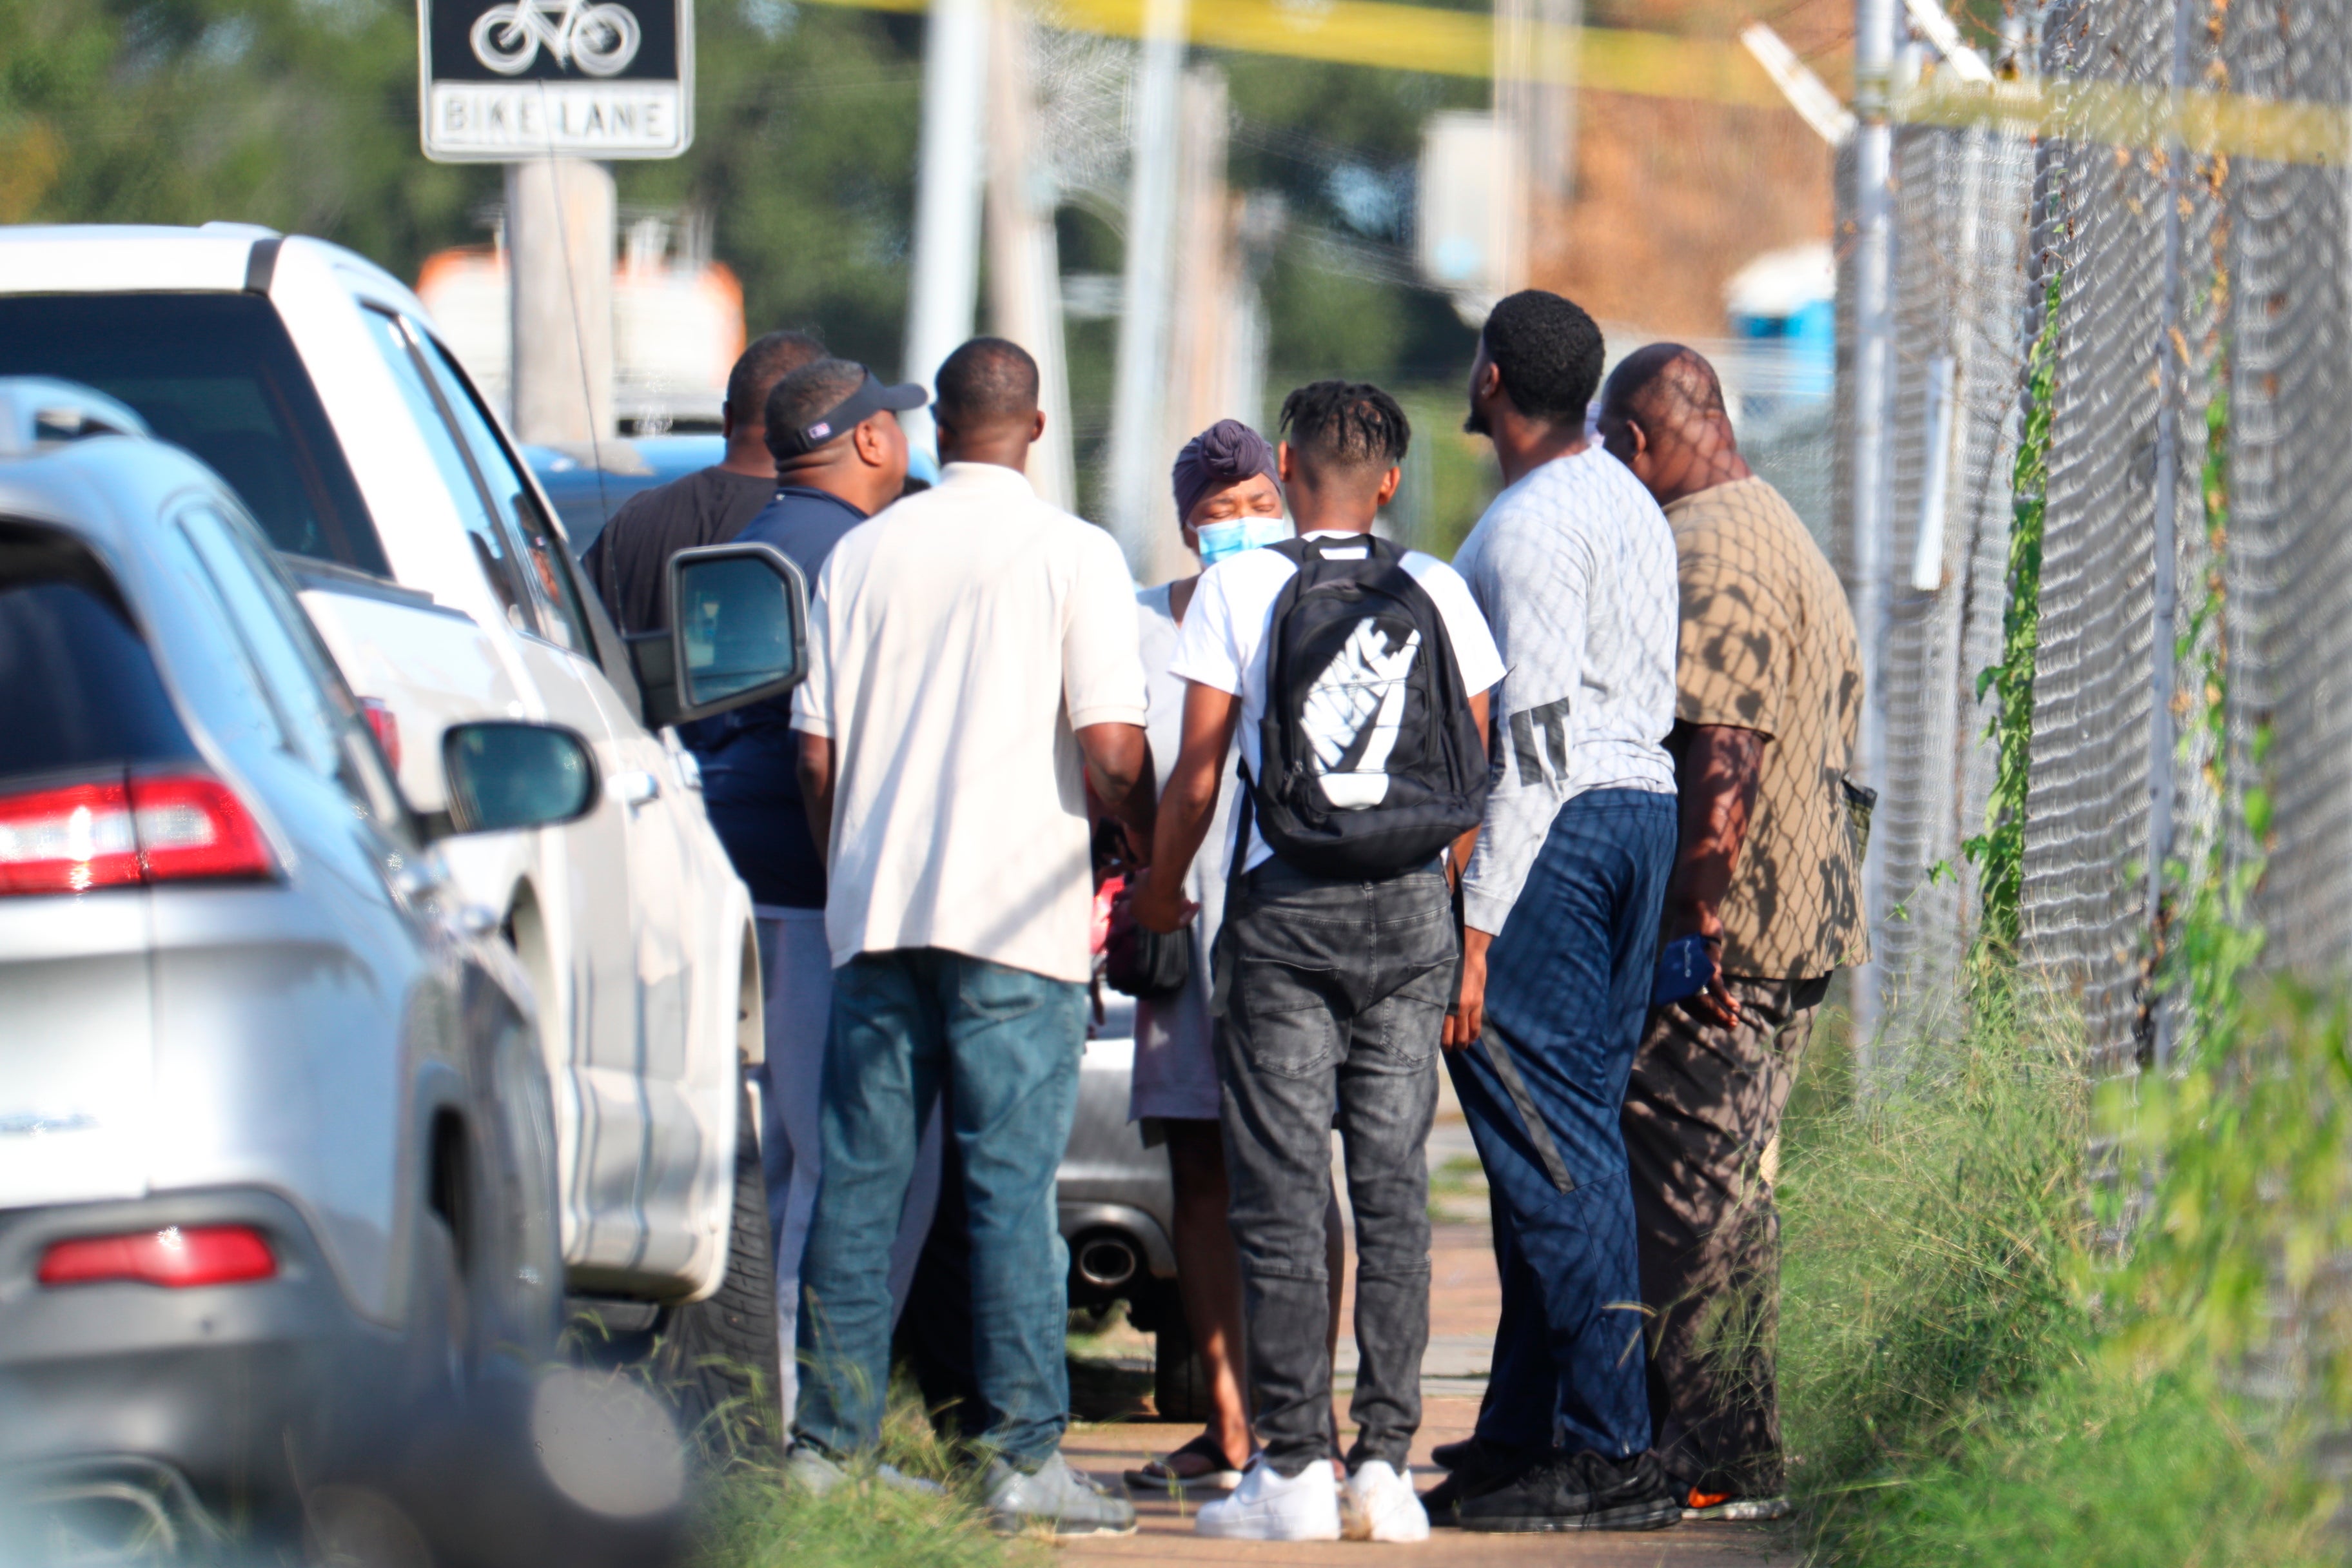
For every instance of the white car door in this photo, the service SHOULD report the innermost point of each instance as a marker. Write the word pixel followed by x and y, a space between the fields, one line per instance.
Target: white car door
pixel 596 1037
pixel 677 1129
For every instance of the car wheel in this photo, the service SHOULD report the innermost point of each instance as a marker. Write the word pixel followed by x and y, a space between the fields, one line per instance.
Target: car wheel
pixel 1180 1383
pixel 717 1359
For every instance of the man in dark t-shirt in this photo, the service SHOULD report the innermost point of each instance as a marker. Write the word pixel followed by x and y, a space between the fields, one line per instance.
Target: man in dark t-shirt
pixel 629 561
pixel 832 432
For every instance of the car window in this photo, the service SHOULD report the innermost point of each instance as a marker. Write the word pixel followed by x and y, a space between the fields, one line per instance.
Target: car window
pixel 217 375
pixel 551 568
pixel 492 550
pixel 83 690
pixel 298 672
pixel 289 677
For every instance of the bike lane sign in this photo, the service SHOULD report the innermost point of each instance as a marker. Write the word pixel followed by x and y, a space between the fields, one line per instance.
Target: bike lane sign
pixel 503 81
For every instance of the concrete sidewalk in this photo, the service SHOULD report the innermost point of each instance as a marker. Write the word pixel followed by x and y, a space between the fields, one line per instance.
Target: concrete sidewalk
pixel 1464 1304
pixel 1165 1533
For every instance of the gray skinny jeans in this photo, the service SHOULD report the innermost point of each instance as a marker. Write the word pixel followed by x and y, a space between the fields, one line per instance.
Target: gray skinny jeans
pixel 1334 996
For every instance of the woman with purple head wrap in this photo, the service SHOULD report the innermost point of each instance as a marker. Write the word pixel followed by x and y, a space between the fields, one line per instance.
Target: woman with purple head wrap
pixel 1225 475
pixel 1228 500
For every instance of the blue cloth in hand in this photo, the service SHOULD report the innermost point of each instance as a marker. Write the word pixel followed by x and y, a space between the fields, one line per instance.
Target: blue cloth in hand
pixel 1684 969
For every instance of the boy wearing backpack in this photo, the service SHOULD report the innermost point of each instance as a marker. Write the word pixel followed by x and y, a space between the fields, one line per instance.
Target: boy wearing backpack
pixel 1356 675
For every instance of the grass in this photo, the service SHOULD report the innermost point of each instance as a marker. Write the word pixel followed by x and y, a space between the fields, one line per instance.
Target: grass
pixel 749 1519
pixel 1973 1371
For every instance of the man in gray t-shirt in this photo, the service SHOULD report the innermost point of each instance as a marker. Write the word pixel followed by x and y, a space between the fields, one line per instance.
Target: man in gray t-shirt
pixel 1573 566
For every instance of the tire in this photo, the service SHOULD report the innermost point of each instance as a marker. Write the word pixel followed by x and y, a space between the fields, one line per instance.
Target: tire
pixel 1179 1384
pixel 717 1359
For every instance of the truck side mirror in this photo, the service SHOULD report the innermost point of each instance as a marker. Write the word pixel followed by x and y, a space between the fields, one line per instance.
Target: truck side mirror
pixel 505 774
pixel 738 633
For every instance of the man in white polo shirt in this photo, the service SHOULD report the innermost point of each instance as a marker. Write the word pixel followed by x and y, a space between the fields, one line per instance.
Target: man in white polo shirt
pixel 973 670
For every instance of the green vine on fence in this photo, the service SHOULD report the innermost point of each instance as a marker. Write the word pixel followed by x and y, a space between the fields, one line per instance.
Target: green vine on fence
pixel 2000 851
pixel 2213 940
pixel 2239 1143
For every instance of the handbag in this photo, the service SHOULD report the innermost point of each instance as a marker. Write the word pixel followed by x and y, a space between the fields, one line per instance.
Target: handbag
pixel 1141 962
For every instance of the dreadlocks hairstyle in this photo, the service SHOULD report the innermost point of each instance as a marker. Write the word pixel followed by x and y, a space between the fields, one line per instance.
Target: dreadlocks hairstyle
pixel 1548 351
pixel 1352 422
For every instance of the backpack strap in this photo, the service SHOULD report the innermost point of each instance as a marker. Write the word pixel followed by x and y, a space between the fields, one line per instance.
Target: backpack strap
pixel 1221 973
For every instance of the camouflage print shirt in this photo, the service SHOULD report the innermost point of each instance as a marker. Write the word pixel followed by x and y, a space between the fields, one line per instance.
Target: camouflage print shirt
pixel 1768 644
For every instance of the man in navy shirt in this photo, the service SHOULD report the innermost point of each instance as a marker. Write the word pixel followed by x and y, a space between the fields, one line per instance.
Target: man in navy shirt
pixel 840 457
pixel 629 561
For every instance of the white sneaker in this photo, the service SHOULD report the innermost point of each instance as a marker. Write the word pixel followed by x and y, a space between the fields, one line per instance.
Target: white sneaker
pixel 1268 1506
pixel 1377 1504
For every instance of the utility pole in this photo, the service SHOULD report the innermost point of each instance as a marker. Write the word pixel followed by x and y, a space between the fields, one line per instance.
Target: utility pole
pixel 1874 272
pixel 560 277
pixel 2164 588
pixel 1535 121
pixel 947 196
pixel 1210 316
pixel 1138 406
pixel 1025 269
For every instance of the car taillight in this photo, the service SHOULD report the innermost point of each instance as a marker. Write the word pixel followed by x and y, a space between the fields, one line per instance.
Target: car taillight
pixel 67 841
pixel 175 1256
pixel 380 719
pixel 166 829
pixel 194 828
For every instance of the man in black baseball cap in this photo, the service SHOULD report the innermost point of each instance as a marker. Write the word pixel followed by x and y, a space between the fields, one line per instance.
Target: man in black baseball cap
pixel 832 430
pixel 868 396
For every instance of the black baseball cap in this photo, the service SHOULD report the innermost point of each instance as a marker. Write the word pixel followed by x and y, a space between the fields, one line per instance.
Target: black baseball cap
pixel 871 397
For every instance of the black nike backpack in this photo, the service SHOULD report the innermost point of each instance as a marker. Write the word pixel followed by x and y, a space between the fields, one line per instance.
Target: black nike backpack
pixel 1370 762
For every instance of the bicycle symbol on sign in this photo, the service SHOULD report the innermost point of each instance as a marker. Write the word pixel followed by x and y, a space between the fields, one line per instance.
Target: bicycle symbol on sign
pixel 601 39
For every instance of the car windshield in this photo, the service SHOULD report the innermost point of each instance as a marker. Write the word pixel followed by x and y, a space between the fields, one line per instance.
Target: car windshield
pixel 217 375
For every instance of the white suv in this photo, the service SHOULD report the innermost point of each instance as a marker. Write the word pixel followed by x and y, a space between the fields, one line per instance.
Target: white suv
pixel 314 384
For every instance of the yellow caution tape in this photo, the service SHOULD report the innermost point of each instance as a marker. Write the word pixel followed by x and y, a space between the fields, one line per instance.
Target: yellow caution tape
pixel 1392 36
pixel 2129 114
pixel 1423 38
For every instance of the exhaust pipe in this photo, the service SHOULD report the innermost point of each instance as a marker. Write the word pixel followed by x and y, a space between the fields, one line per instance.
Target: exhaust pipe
pixel 1108 1262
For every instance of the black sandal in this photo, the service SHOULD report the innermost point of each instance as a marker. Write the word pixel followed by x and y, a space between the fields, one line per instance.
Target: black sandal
pixel 1160 1475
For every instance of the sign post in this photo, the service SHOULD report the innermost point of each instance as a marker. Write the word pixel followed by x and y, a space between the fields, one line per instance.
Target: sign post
pixel 552 89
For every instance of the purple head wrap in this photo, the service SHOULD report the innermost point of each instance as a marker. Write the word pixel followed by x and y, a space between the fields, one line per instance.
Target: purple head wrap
pixel 1224 452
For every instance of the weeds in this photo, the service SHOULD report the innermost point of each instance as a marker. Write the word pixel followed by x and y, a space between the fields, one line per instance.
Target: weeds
pixel 749 1519
pixel 1973 1374
pixel 753 1521
pixel 1932 1237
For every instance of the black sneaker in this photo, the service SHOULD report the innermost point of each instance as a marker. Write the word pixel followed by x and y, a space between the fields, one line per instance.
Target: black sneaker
pixel 1573 1491
pixel 1471 1464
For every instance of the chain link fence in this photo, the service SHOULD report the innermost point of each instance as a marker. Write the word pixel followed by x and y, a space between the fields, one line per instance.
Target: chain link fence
pixel 1959 272
pixel 2196 539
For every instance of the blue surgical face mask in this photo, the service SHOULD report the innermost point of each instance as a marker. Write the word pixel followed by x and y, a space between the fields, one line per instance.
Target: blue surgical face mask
pixel 1219 540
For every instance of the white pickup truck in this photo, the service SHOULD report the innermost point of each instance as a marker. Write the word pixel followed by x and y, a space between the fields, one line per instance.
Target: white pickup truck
pixel 314 384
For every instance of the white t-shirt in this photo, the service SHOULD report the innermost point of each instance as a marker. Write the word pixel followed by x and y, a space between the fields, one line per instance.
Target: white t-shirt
pixel 956 642
pixel 1223 639
pixel 1574 566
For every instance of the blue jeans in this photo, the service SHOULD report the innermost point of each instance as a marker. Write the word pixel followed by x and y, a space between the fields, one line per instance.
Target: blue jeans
pixel 1005 1044
pixel 1567 986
